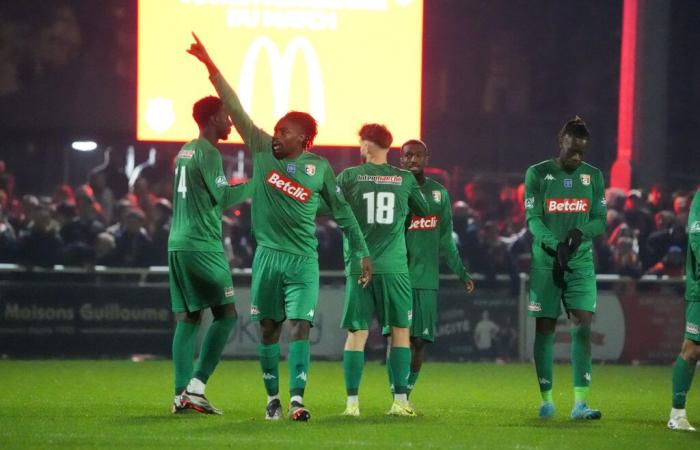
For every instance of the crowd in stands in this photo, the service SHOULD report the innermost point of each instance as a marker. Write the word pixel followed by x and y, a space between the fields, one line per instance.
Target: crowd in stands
pixel 101 223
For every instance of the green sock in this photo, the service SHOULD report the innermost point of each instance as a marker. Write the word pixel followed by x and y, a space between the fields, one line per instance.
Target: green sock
pixel 212 347
pixel 299 359
pixel 400 360
pixel 353 364
pixel 183 353
pixel 544 362
pixel 581 360
pixel 390 375
pixel 682 379
pixel 270 365
pixel 412 378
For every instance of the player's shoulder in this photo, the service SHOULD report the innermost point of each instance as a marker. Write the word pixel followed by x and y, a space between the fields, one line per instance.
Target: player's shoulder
pixel 590 168
pixel 542 166
pixel 434 184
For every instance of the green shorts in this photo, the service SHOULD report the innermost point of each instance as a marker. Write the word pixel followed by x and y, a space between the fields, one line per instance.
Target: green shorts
pixel 284 286
pixel 547 297
pixel 424 322
pixel 692 321
pixel 387 293
pixel 199 280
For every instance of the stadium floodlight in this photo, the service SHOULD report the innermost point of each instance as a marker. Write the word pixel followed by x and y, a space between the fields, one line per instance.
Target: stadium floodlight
pixel 84 146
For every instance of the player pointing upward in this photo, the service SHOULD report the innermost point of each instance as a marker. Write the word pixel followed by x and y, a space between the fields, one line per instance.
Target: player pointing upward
pixel 288 182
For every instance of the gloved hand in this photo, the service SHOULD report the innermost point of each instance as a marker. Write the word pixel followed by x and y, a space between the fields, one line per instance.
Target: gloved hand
pixel 573 239
pixel 563 255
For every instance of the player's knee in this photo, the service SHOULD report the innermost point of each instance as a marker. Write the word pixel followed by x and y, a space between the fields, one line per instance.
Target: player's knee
pixel 193 317
pixel 270 331
pixel 691 351
pixel 545 325
pixel 356 340
pixel 224 311
pixel 418 345
pixel 300 329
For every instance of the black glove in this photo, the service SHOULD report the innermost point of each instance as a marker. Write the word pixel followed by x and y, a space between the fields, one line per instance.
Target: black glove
pixel 573 239
pixel 563 255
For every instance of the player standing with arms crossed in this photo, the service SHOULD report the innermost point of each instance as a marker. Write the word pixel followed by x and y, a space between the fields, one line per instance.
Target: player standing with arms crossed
pixel 380 196
pixel 200 277
pixel 565 208
pixel 288 182
pixel 427 237
pixel 684 368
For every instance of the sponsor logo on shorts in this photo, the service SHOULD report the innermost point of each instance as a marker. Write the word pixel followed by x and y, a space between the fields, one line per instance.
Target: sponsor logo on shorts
pixel 692 328
pixel 437 196
pixel 186 154
pixel 567 205
pixel 535 307
pixel 228 292
pixel 288 187
pixel 221 181
pixel 529 202
pixel 424 223
pixel 410 314
pixel 585 179
pixel 254 310
pixel 310 169
pixel 381 179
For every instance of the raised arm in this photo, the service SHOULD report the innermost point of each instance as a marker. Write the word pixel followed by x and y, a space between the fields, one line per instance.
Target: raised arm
pixel 255 138
pixel 534 209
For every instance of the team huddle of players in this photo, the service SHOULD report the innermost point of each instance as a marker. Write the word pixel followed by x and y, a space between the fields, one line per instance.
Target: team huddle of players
pixel 396 224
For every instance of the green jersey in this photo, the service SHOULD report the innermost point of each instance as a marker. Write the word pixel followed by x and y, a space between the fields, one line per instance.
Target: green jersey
pixel 200 194
pixel 380 196
pixel 286 191
pixel 692 263
pixel 557 201
pixel 430 236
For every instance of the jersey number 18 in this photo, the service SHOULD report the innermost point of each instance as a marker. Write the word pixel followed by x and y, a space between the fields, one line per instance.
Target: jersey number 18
pixel 380 209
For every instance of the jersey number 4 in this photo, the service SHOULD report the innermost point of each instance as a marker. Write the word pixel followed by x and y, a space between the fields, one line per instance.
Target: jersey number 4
pixel 380 209
pixel 181 182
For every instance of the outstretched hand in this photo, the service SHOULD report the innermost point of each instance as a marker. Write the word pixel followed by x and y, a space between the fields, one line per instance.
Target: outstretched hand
pixel 199 51
pixel 469 286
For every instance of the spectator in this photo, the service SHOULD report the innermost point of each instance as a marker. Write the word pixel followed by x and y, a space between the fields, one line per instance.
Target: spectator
pixel 103 194
pixel 667 234
pixel 39 242
pixel 8 238
pixel 672 264
pixel 133 246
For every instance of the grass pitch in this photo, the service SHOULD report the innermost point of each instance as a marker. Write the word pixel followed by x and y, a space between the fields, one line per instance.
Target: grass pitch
pixel 115 404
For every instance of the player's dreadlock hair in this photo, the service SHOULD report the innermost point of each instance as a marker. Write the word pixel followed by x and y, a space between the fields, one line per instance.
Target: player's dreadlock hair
pixel 204 108
pixel 415 142
pixel 307 123
pixel 575 127
pixel 377 133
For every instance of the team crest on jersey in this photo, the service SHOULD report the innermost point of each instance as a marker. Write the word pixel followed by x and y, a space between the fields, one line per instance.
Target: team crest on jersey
pixel 585 179
pixel 310 169
pixel 529 202
pixel 437 196
pixel 221 181
pixel 568 183
pixel 695 227
pixel 291 168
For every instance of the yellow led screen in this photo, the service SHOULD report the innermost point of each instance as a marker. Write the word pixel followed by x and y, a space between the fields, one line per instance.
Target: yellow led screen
pixel 347 62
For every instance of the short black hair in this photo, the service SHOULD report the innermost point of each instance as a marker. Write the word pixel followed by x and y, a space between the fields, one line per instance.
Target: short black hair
pixel 204 108
pixel 377 133
pixel 414 142
pixel 575 127
pixel 307 123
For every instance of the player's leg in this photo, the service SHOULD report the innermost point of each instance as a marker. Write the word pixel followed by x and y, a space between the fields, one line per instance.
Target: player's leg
pixel 357 316
pixel 267 307
pixel 301 288
pixel 684 368
pixel 545 306
pixel 395 307
pixel 418 347
pixel 422 330
pixel 580 303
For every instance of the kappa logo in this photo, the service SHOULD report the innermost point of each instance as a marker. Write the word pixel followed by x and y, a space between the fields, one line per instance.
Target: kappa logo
pixel 281 65
pixel 695 227
pixel 310 170
pixel 437 196
pixel 549 177
pixel 288 187
pixel 534 307
pixel 268 376
pixel 426 332
pixel 544 381
pixel 585 179
pixel 424 223
pixel 221 181
pixel 567 205
pixel 302 376
pixel 587 376
pixel 228 292
pixel 692 328
pixel 310 313
pixel 529 202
